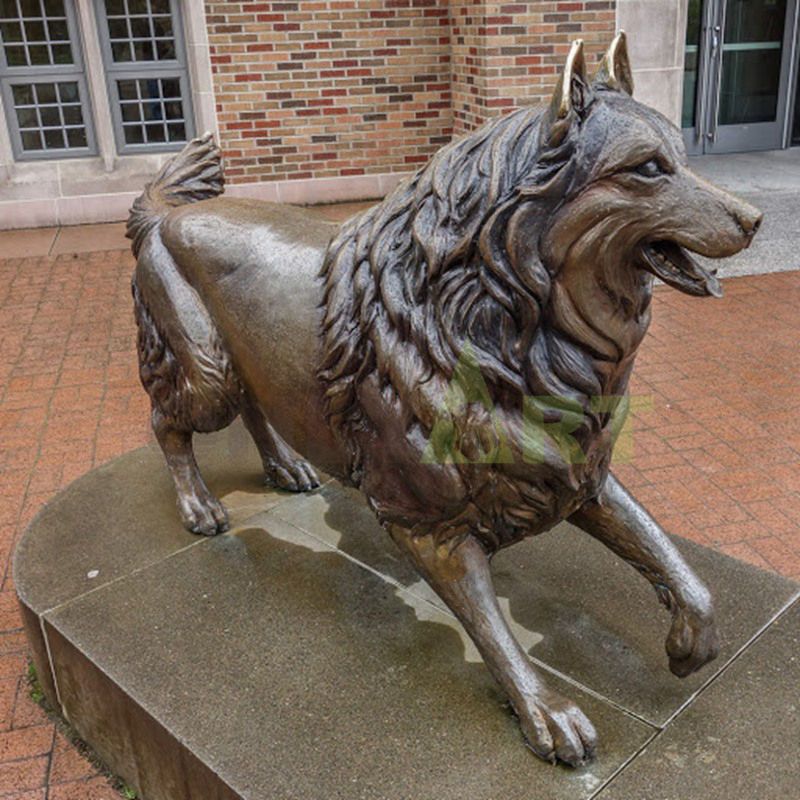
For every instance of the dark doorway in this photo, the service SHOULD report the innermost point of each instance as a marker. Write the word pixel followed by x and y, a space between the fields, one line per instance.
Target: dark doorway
pixel 796 125
pixel 736 74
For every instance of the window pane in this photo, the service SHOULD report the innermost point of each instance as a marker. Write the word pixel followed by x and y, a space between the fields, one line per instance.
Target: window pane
pixel 140 27
pixel 31 8
pixel 34 31
pixel 23 94
pixel 76 137
pixel 8 8
pixel 50 116
pixel 121 51
pixel 11 32
pixel 54 8
pixel 38 54
pixel 152 111
pixel 171 88
pixel 46 92
pixel 54 140
pixel 134 134
pixel 177 132
pixel 149 88
pixel 162 26
pixel 155 134
pixel 137 6
pixel 72 115
pixel 58 30
pixel 143 51
pixel 16 57
pixel 165 49
pixel 68 92
pixel 62 54
pixel 115 7
pixel 174 110
pixel 127 90
pixel 131 112
pixel 31 140
pixel 118 29
pixel 27 118
pixel 160 6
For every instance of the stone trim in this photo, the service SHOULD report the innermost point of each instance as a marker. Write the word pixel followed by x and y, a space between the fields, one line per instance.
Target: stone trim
pixel 113 206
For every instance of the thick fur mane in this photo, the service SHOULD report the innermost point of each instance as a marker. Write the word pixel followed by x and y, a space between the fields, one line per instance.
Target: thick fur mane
pixel 436 268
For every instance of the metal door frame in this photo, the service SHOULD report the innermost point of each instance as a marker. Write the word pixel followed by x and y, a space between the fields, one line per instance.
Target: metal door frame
pixel 794 78
pixel 707 136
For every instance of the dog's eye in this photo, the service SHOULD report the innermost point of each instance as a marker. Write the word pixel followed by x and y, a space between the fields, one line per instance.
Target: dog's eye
pixel 650 169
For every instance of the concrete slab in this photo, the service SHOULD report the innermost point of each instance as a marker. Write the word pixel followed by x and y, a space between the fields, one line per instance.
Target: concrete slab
pixel 590 615
pixel 26 243
pixel 749 173
pixel 299 656
pixel 122 517
pixel 289 671
pixel 739 739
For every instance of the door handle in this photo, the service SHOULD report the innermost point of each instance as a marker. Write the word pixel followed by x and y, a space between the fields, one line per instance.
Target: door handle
pixel 703 68
pixel 716 72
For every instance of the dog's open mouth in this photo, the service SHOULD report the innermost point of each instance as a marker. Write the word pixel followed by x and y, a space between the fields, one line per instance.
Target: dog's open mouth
pixel 674 265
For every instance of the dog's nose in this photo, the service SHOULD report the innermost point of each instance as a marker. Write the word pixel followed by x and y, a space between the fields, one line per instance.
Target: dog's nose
pixel 748 219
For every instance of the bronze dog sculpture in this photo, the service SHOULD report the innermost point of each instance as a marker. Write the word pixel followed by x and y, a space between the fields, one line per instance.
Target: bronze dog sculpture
pixel 531 244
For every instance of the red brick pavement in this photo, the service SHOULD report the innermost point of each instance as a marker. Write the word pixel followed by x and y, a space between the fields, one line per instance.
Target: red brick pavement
pixel 715 456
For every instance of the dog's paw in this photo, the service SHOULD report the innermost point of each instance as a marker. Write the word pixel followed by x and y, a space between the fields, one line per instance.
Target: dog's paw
pixel 557 730
pixel 203 514
pixel 692 641
pixel 292 474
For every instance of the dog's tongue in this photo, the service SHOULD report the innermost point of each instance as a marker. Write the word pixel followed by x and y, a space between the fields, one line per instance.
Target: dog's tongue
pixel 671 263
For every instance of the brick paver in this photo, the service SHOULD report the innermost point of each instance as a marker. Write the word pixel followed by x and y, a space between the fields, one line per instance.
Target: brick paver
pixel 715 455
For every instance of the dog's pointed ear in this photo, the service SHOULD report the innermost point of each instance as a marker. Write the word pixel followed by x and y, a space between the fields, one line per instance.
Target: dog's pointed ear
pixel 614 71
pixel 571 97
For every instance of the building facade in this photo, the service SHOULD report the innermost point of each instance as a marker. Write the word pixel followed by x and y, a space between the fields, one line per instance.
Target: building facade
pixel 322 100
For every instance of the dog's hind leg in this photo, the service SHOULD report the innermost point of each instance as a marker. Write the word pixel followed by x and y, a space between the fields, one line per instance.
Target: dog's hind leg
pixel 282 466
pixel 200 511
pixel 188 375
pixel 620 523
pixel 554 727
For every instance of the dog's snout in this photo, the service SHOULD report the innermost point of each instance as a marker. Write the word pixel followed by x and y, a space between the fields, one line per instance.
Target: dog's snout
pixel 748 219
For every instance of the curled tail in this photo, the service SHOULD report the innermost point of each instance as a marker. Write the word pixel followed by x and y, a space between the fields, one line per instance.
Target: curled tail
pixel 193 174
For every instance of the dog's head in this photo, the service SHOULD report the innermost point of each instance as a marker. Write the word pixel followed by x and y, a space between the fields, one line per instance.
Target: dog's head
pixel 633 203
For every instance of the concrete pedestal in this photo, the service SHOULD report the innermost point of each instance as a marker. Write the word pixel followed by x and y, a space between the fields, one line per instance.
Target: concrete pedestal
pixel 298 656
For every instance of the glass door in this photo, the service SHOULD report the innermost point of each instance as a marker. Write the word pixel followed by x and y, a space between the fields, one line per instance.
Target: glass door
pixel 736 74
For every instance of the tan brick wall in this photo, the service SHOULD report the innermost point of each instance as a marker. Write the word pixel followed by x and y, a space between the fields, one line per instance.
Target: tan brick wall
pixel 317 89
pixel 506 55
pixel 328 88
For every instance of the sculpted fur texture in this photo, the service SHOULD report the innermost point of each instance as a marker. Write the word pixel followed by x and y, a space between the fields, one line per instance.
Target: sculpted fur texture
pixel 461 351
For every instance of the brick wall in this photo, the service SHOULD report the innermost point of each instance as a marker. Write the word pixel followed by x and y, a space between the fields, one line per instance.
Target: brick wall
pixel 315 89
pixel 505 55
pixel 325 88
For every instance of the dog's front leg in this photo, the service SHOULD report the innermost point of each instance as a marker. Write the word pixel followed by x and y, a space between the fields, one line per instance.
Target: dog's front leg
pixel 619 522
pixel 554 727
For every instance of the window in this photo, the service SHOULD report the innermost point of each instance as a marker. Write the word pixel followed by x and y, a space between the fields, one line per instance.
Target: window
pixel 42 80
pixel 148 83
